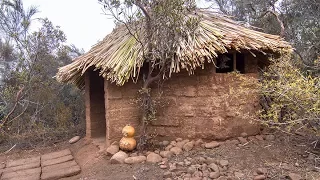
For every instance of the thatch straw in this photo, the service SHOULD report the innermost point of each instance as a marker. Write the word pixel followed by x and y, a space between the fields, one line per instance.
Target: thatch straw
pixel 119 56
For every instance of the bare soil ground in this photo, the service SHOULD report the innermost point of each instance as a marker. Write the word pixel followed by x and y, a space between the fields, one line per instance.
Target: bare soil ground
pixel 281 156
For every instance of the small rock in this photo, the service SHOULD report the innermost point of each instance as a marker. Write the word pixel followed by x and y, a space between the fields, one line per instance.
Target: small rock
pixel 270 137
pixel 210 160
pixel 166 154
pixel 180 163
pixel 187 163
pixel 252 138
pixel 243 134
pixel 167 174
pixel 74 139
pixel 197 174
pixel 212 144
pixel 198 142
pixel 214 175
pixel 133 154
pixel 179 139
pixel 113 149
pixel 163 166
pixel 293 176
pixel 191 170
pixel 157 151
pixel 182 143
pixel 238 175
pixel 135 159
pixel 168 147
pixel 176 150
pixel 224 162
pixel 259 177
pixel 154 158
pixel 242 140
pixel 165 143
pixel 188 146
pixel 259 137
pixel 173 143
pixel 118 158
pixel 262 171
pixel 214 167
pixel 234 141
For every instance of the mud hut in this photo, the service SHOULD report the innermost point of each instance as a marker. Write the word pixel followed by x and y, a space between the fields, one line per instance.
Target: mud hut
pixel 193 103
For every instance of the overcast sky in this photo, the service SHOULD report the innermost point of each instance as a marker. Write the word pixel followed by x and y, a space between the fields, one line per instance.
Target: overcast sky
pixel 81 20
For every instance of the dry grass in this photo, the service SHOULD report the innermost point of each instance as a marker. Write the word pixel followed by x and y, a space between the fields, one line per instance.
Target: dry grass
pixel 119 56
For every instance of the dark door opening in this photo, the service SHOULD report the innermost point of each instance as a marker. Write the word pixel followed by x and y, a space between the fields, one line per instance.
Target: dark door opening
pixel 97 106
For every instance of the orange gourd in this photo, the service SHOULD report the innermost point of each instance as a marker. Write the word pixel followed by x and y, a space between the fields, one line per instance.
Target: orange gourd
pixel 128 131
pixel 128 143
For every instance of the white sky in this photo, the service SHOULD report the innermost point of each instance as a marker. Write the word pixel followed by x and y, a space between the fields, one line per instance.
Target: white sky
pixel 81 20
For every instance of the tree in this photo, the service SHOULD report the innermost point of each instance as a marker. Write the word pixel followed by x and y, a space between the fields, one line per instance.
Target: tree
pixel 32 102
pixel 158 26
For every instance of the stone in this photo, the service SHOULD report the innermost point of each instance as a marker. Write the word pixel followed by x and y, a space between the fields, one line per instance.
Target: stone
pixel 22 167
pixel 133 154
pixel 191 170
pixel 262 171
pixel 242 140
pixel 238 175
pixel 166 154
pixel 154 158
pixel 197 174
pixel 21 174
pixel 188 146
pixel 214 167
pixel 214 175
pixel 74 139
pixel 163 166
pixel 66 172
pixel 270 137
pixel 294 176
pixel 56 167
pixel 224 162
pixel 167 174
pixel 243 134
pixel 20 162
pixel 198 142
pixel 182 143
pixel 55 155
pixel 56 160
pixel 212 144
pixel 169 147
pixel 165 143
pixel 176 150
pixel 259 177
pixel 179 139
pixel 173 143
pixel 112 149
pixel 135 160
pixel 259 137
pixel 118 158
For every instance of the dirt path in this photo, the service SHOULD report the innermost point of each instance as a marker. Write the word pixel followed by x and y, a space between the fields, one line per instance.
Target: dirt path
pixel 279 157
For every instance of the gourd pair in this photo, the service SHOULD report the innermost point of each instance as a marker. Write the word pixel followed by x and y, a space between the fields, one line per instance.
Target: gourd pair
pixel 128 143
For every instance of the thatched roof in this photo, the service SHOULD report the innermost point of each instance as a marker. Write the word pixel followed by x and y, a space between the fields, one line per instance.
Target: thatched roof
pixel 216 34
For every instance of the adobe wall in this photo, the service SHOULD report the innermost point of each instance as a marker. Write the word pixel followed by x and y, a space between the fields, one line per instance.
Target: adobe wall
pixel 195 106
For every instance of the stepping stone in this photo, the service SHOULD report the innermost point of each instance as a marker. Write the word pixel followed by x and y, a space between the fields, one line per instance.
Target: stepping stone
pixel 28 177
pixel 20 162
pixel 56 160
pixel 56 167
pixel 55 155
pixel 21 167
pixel 22 173
pixel 67 172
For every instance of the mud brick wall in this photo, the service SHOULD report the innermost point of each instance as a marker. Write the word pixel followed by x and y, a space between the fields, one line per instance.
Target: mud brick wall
pixel 196 106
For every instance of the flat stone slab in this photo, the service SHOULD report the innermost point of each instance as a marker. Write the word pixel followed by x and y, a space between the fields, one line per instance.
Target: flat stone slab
pixel 20 162
pixel 21 173
pixel 21 167
pixel 55 155
pixel 57 167
pixel 28 177
pixel 57 160
pixel 67 172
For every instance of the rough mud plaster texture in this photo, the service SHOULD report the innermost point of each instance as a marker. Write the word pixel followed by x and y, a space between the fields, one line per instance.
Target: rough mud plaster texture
pixel 95 105
pixel 196 106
